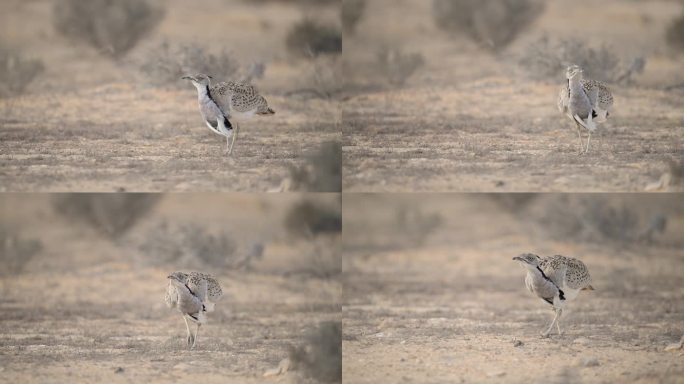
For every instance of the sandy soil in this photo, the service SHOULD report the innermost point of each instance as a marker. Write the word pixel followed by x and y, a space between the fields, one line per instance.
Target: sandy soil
pixel 472 121
pixel 92 124
pixel 452 307
pixel 86 306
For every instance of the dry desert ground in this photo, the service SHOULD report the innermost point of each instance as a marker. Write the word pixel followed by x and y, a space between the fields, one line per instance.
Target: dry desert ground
pixel 90 123
pixel 89 308
pixel 431 294
pixel 476 121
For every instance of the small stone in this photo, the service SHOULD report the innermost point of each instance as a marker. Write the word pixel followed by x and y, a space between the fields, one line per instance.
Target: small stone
pixel 582 341
pixel 589 362
pixel 283 367
pixel 118 370
pixel 518 343
pixel 496 373
pixel 181 367
pixel 673 347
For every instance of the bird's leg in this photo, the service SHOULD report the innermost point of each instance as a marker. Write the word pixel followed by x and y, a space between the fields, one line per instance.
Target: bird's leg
pixel 227 144
pixel 235 134
pixel 190 339
pixel 556 308
pixel 588 140
pixel 579 136
pixel 194 339
pixel 560 313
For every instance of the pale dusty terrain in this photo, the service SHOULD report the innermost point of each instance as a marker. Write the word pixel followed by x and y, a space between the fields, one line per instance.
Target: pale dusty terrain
pixel 449 307
pixel 92 124
pixel 473 121
pixel 85 306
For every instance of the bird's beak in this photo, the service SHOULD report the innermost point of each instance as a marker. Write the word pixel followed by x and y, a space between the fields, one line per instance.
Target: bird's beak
pixel 169 277
pixel 518 258
pixel 187 78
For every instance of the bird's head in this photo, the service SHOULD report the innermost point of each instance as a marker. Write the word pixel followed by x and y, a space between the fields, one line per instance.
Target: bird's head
pixel 573 70
pixel 199 79
pixel 177 276
pixel 528 260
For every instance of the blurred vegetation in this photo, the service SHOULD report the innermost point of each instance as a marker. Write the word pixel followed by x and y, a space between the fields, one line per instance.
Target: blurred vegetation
pixel 492 25
pixel 16 251
pixel 324 258
pixel 112 27
pixel 16 73
pixel 513 202
pixel 547 59
pixel 320 356
pixel 675 33
pixel 352 11
pixel 414 225
pixel 322 171
pixel 396 66
pixel 304 2
pixel 310 38
pixel 598 219
pixel 307 219
pixel 324 77
pixel 189 245
pixel 166 64
pixel 110 214
pixel 392 225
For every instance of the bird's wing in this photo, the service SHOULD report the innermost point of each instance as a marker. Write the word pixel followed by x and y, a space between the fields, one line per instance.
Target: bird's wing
pixel 221 94
pixel 198 286
pixel 214 289
pixel 554 269
pixel 605 97
pixel 239 97
pixel 592 94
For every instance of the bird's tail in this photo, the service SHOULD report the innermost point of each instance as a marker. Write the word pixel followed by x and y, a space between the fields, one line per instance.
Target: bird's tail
pixel 267 111
pixel 589 124
pixel 588 288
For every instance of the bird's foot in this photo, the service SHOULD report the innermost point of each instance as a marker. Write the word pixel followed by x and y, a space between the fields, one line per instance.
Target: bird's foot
pixel 191 341
pixel 544 335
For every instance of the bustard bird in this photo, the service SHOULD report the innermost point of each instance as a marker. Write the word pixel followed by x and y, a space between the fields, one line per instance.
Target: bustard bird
pixel 586 102
pixel 555 279
pixel 224 104
pixel 193 294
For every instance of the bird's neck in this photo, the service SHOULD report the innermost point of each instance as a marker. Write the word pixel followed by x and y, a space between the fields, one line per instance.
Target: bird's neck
pixel 575 83
pixel 202 91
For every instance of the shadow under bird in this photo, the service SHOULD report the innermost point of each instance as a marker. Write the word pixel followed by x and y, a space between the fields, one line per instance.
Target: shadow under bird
pixel 555 279
pixel 586 102
pixel 225 104
pixel 193 295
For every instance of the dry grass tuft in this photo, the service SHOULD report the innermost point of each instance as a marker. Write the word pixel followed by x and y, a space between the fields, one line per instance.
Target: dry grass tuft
pixel 397 66
pixel 547 59
pixel 16 73
pixel 111 27
pixel 492 25
pixel 189 245
pixel 675 33
pixel 110 214
pixel 16 251
pixel 307 219
pixel 352 11
pixel 322 171
pixel 166 64
pixel 309 38
pixel 320 356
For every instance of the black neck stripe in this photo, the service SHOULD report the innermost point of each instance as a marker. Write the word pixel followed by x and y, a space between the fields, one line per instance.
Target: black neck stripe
pixel 560 291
